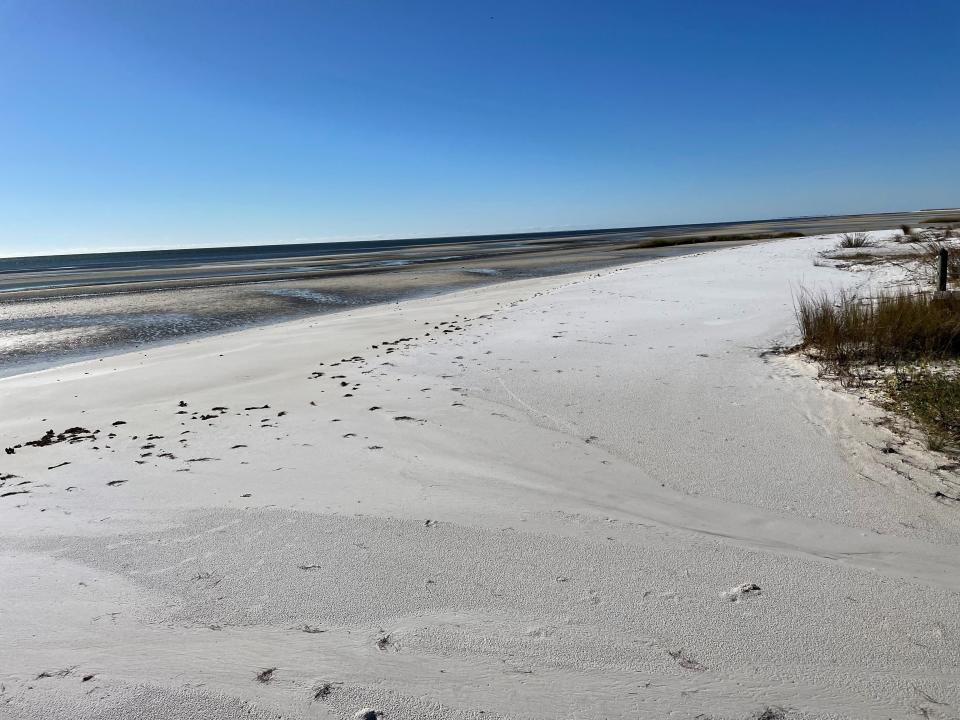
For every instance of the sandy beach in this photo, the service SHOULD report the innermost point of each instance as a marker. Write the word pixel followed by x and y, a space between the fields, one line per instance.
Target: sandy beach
pixel 587 496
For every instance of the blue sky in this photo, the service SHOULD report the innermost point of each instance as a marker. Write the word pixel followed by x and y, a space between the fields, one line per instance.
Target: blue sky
pixel 170 123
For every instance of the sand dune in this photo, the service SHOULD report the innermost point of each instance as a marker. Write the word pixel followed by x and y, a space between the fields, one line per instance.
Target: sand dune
pixel 593 496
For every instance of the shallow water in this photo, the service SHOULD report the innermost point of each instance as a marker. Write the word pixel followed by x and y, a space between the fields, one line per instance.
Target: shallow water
pixel 88 321
pixel 39 333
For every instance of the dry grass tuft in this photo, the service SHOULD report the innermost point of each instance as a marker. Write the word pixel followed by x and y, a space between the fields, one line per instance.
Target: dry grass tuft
pixel 856 240
pixel 889 329
pixel 906 345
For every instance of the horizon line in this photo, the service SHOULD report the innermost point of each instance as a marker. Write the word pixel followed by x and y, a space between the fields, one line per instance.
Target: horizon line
pixel 525 232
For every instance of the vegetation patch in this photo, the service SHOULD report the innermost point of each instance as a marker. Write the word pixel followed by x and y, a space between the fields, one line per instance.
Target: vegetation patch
pixel 857 240
pixel 905 345
pixel 695 239
pixel 931 397
pixel 890 328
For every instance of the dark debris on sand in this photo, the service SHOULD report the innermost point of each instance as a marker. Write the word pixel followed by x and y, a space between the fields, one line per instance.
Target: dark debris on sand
pixel 265 676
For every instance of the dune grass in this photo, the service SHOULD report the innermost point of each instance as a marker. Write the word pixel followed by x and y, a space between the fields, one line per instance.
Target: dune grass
pixel 890 328
pixel 926 235
pixel 856 240
pixel 906 344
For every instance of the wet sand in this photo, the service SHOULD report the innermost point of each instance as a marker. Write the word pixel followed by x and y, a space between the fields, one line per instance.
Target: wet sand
pixel 41 328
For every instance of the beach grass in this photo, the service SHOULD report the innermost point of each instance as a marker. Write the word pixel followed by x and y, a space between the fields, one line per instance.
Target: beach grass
pixel 905 344
pixel 856 240
pixel 889 328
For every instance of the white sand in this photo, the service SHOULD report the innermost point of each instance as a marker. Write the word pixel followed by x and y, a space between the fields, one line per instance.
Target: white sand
pixel 593 466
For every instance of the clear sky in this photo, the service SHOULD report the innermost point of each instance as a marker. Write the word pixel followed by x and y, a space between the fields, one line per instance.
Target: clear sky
pixel 151 123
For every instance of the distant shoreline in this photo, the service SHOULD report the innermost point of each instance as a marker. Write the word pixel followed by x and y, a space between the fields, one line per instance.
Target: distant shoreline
pixel 65 309
pixel 870 221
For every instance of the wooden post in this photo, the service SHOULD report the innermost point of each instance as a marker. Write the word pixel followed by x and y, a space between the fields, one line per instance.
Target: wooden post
pixel 942 278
